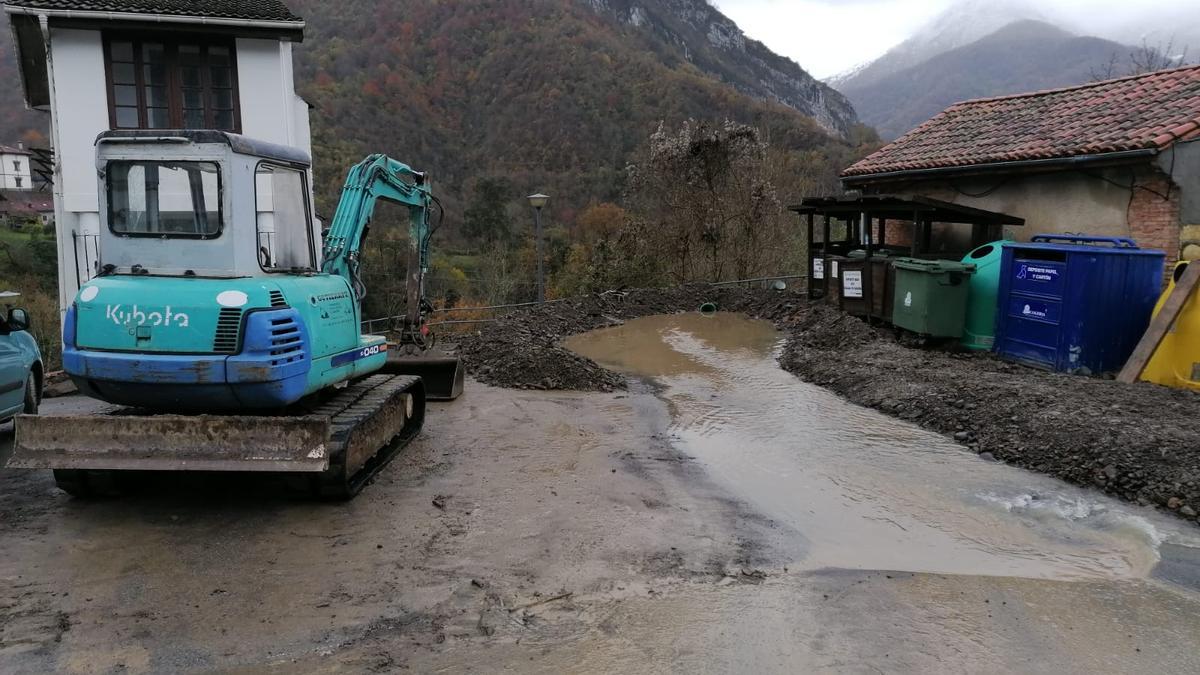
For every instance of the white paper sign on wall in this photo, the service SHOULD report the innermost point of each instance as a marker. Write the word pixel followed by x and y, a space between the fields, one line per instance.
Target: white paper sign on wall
pixel 852 284
pixel 818 268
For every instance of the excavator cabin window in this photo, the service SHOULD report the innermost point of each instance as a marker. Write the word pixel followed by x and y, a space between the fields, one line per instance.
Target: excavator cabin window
pixel 164 199
pixel 285 239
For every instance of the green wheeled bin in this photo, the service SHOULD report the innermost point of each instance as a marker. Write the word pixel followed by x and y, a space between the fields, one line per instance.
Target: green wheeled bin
pixel 979 332
pixel 931 296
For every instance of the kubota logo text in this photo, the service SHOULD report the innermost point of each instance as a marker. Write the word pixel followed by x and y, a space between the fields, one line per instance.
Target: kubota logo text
pixel 135 316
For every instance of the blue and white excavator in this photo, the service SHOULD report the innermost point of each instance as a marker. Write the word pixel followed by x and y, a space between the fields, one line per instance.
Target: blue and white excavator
pixel 224 330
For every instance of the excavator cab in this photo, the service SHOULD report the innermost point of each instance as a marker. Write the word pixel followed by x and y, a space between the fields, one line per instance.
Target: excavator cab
pixel 204 204
pixel 208 295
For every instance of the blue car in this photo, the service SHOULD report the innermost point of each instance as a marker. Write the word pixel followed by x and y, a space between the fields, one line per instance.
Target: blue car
pixel 21 371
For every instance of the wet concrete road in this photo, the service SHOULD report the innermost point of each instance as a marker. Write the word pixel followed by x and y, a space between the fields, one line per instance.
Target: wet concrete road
pixel 669 529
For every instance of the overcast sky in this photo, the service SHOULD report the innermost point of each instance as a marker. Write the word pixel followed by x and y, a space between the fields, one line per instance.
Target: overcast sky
pixel 827 37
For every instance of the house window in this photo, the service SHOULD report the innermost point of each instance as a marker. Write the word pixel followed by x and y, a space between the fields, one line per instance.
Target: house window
pixel 18 179
pixel 171 84
pixel 17 165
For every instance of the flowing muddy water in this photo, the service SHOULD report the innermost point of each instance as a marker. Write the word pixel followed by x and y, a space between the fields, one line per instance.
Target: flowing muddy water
pixel 855 489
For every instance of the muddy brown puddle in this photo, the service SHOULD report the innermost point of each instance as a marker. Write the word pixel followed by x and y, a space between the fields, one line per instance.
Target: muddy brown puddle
pixel 856 489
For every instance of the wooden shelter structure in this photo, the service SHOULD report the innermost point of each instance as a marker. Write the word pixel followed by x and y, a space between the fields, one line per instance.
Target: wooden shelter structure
pixel 853 250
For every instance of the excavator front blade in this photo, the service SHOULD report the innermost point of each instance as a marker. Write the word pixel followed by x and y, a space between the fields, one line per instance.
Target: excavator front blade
pixel 442 374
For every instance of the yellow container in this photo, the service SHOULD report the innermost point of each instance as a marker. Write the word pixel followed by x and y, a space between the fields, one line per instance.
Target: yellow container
pixel 1176 362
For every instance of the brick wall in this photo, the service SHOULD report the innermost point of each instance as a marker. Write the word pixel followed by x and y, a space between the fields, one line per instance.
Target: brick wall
pixel 1154 221
pixel 952 237
pixel 898 233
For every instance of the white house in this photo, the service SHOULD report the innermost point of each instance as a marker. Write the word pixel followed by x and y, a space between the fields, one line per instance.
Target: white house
pixel 14 168
pixel 97 65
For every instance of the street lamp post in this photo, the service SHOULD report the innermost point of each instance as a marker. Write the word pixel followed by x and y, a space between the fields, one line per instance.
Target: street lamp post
pixel 537 201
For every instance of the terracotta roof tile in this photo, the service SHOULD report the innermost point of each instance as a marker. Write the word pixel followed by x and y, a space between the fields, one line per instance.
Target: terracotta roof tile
pixel 1131 113
pixel 25 202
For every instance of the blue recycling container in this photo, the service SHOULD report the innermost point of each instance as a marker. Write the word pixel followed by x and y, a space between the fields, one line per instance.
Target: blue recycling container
pixel 1073 303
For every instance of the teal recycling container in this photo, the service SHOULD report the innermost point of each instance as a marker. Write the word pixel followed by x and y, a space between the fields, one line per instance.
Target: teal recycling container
pixel 979 331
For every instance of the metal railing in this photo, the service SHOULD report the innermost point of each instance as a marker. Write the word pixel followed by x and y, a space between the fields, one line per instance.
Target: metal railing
pixel 762 280
pixel 494 309
pixel 266 240
pixel 90 259
pixel 497 310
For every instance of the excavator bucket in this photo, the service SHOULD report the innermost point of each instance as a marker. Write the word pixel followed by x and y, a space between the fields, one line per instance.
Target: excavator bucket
pixel 442 374
pixel 172 443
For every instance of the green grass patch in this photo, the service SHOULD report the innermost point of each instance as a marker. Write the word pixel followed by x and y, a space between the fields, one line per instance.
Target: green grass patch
pixel 14 236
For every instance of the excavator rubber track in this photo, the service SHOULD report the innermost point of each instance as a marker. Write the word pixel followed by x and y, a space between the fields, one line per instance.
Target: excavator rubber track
pixel 327 450
pixel 370 422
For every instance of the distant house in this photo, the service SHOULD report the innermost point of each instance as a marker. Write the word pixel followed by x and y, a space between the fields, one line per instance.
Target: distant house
pixel 97 65
pixel 15 173
pixel 19 208
pixel 1116 158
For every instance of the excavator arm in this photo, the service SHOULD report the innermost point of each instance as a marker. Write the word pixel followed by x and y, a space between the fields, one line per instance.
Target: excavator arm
pixel 381 177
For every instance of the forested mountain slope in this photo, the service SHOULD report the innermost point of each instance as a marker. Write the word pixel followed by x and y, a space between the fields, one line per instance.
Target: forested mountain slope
pixel 554 95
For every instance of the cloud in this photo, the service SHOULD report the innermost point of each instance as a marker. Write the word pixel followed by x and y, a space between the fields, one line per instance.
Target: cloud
pixel 828 37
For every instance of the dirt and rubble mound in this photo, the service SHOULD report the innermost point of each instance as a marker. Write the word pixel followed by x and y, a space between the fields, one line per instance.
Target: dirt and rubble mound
pixel 521 350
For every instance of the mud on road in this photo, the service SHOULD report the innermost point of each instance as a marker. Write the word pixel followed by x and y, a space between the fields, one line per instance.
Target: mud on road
pixel 523 532
pixel 1138 442
pixel 512 512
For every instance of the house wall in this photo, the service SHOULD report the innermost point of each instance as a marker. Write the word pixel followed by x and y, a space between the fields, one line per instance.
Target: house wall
pixel 275 113
pixel 267 92
pixel 1100 202
pixel 1182 162
pixel 79 112
pixel 270 111
pixel 11 177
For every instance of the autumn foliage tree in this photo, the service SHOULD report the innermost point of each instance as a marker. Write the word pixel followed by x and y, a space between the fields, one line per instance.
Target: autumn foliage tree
pixel 706 193
pixel 702 205
pixel 609 248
